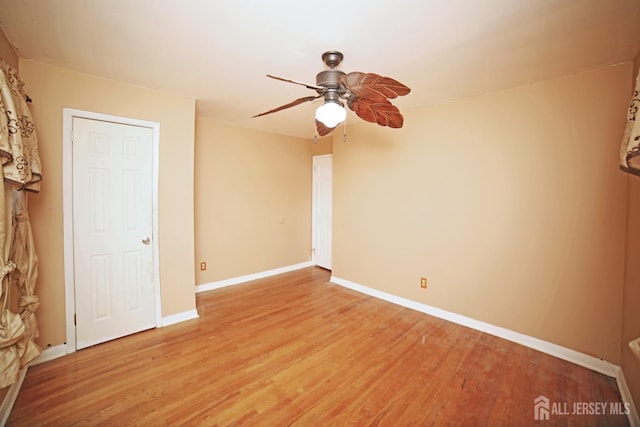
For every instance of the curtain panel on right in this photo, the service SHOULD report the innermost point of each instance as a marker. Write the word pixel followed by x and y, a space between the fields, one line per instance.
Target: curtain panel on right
pixel 630 148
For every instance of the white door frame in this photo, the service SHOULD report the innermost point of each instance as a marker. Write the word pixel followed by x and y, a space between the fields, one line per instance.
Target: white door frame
pixel 67 211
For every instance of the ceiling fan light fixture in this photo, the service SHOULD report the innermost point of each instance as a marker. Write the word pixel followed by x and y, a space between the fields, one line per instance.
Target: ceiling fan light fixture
pixel 331 113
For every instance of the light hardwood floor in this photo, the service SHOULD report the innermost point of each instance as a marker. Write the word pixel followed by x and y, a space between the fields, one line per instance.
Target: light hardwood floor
pixel 295 350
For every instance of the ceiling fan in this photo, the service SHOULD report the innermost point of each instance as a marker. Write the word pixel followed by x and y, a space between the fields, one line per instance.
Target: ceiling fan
pixel 367 94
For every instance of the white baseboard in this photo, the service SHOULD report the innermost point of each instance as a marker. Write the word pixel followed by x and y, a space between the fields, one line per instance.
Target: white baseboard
pixel 625 393
pixel 178 317
pixel 50 353
pixel 564 353
pixel 249 277
pixel 11 396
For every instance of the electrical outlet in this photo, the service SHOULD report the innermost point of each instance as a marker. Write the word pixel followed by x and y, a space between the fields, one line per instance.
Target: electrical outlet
pixel 203 266
pixel 423 282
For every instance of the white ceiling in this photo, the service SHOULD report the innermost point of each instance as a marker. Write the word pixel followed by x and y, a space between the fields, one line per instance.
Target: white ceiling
pixel 219 51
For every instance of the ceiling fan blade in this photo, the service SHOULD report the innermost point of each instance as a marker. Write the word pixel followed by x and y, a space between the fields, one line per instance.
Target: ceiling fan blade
pixel 373 86
pixel 382 113
pixel 323 130
pixel 307 85
pixel 289 105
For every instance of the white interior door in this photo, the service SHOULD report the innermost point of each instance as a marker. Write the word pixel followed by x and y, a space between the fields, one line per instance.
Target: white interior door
pixel 112 229
pixel 322 210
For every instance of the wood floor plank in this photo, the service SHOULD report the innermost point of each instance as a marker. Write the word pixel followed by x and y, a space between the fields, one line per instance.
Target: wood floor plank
pixel 295 350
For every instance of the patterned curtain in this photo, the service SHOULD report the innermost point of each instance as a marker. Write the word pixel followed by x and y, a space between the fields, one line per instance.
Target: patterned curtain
pixel 20 164
pixel 630 149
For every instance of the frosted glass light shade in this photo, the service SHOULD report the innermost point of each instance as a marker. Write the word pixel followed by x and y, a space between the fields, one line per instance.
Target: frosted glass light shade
pixel 331 114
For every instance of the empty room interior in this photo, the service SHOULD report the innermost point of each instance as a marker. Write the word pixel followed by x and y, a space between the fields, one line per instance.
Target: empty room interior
pixel 461 246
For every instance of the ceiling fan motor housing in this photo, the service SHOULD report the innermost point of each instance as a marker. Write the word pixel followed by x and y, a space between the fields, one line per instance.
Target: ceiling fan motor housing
pixel 329 78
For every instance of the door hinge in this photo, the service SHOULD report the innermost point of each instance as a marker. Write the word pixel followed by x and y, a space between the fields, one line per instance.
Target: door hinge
pixel 313 251
pixel 74 319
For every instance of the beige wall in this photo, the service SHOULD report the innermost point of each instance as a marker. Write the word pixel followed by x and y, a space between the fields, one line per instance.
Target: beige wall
pixel 322 146
pixel 511 204
pixel 7 53
pixel 253 200
pixel 53 88
pixel 631 295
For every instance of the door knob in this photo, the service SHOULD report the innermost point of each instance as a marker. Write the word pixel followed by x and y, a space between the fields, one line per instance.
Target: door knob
pixel 146 240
